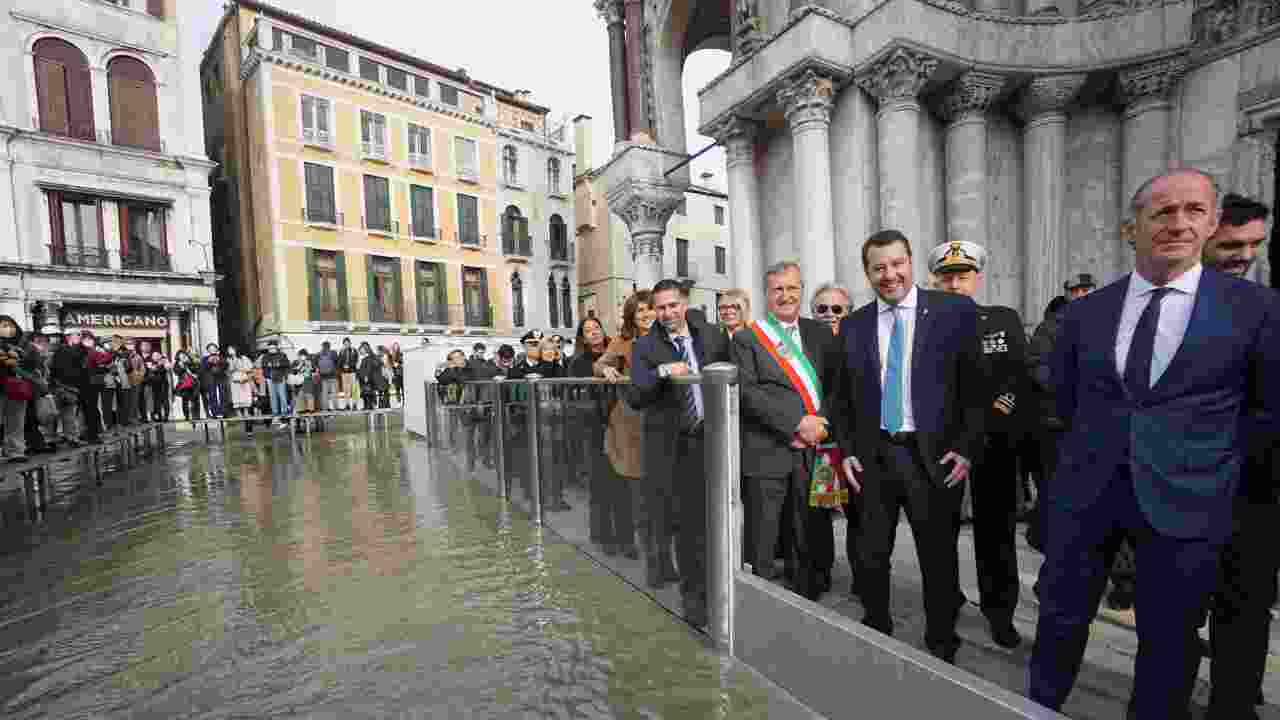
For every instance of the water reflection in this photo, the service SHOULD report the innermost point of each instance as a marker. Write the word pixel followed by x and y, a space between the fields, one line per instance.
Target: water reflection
pixel 346 575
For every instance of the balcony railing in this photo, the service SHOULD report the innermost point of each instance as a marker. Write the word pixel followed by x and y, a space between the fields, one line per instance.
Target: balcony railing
pixel 425 231
pixel 433 314
pixel 147 259
pixel 472 238
pixel 374 151
pixel 472 316
pixel 390 226
pixel 375 312
pixel 520 246
pixel 89 257
pixel 420 161
pixel 468 173
pixel 312 55
pixel 321 138
pixel 322 216
pixel 560 252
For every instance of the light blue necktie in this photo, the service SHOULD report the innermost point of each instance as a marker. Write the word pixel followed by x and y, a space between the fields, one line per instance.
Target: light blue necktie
pixel 891 397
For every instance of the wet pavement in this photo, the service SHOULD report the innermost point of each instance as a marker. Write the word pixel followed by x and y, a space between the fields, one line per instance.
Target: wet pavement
pixel 346 574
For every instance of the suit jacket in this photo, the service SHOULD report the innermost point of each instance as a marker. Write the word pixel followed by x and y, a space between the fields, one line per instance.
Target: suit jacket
pixel 770 406
pixel 1184 441
pixel 661 400
pixel 948 399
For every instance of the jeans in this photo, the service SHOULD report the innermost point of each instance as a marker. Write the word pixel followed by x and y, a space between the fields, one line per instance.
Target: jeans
pixel 215 399
pixel 279 398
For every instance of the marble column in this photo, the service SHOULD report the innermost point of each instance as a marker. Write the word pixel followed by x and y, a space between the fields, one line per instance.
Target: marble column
pixel 1148 120
pixel 611 12
pixel 1044 177
pixel 964 107
pixel 806 103
pixel 645 206
pixel 895 81
pixel 738 136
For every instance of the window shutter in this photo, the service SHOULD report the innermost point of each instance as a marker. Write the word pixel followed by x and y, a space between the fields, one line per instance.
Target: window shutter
pixel 120 103
pixel 124 231
pixel 57 235
pixel 313 284
pixel 484 293
pixel 341 263
pixel 51 90
pixel 81 98
pixel 321 108
pixel 308 113
pixel 156 8
pixel 396 303
pixel 375 310
pixel 552 306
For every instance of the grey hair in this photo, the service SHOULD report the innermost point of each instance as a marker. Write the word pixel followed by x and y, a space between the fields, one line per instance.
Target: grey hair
pixel 780 267
pixel 1142 196
pixel 828 287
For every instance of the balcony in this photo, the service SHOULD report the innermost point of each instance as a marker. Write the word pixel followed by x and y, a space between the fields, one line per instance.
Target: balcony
pixel 376 313
pixel 561 253
pixel 517 246
pixel 317 138
pixel 468 173
pixel 322 216
pixel 472 239
pixel 87 257
pixel 373 151
pixel 471 316
pixel 433 314
pixel 425 232
pixel 311 54
pixel 386 227
pixel 146 259
pixel 420 161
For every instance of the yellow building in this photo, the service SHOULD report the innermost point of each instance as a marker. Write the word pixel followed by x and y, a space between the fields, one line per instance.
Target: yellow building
pixel 358 188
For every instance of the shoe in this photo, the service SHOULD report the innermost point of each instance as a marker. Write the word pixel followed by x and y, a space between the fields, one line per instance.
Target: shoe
pixel 630 552
pixel 653 575
pixel 1005 634
pixel 880 625
pixel 946 652
pixel 695 609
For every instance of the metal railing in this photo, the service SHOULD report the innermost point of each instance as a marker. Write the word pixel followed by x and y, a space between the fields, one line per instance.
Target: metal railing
pixel 149 259
pixel 373 151
pixel 471 316
pixel 73 256
pixel 433 314
pixel 472 238
pixel 323 216
pixel 363 309
pixel 390 226
pixel 322 138
pixel 521 246
pixel 425 231
pixel 420 161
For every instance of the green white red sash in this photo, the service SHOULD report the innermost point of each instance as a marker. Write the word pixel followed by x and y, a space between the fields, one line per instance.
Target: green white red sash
pixel 792 360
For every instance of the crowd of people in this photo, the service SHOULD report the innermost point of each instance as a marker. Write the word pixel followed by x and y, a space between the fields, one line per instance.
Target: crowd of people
pixel 75 389
pixel 1145 411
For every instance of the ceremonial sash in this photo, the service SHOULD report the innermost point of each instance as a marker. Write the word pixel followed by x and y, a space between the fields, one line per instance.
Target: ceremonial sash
pixel 792 360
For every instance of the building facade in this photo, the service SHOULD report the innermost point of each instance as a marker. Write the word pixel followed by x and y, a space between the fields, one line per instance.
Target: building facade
pixel 360 189
pixel 1023 125
pixel 104 184
pixel 694 247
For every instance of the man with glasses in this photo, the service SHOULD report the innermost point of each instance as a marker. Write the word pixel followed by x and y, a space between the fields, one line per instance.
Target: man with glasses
pixel 957 268
pixel 830 305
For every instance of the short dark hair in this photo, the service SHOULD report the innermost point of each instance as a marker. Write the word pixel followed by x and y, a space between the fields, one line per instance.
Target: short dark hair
pixel 884 238
pixel 669 284
pixel 1239 210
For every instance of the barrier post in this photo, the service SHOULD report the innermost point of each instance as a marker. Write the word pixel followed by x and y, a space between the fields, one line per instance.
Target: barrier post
pixel 535 468
pixel 720 393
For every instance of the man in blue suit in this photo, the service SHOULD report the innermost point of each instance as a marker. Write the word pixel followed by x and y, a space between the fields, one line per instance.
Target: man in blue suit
pixel 908 410
pixel 1154 375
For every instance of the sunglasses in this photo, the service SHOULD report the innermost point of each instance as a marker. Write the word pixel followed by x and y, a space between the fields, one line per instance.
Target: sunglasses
pixel 835 309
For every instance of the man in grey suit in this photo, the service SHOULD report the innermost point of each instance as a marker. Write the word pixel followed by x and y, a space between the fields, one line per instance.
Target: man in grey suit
pixel 781 366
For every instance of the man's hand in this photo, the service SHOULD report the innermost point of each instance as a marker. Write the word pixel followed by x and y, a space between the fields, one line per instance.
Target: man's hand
pixel 1004 403
pixel 812 429
pixel 678 369
pixel 852 469
pixel 959 472
pixel 611 374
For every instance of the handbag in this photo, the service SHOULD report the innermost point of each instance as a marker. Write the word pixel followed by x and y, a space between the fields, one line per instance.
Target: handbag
pixel 15 388
pixel 186 383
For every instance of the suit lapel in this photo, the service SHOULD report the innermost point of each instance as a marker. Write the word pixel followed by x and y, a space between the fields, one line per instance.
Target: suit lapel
pixel 871 331
pixel 1115 313
pixel 923 321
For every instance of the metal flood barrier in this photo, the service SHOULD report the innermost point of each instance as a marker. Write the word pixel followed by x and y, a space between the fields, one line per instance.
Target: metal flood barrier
pixel 562 450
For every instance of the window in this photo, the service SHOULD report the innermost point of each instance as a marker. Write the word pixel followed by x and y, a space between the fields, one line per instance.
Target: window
pixel 143 244
pixel 722 263
pixel 553 176
pixel 328 273
pixel 315 121
pixel 304 47
pixel 517 300
pixel 384 289
pixel 320 202
pixel 510 165
pixel 398 79
pixel 421 87
pixel 566 302
pixel 377 203
pixel 515 233
pixel 155 8
pixel 465 158
pixel 449 95
pixel 683 208
pixel 719 214
pixel 553 307
pixel 468 220
pixel 135 117
pixel 277 39
pixel 559 236
pixel 63 89
pixel 432 309
pixel 419 146
pixel 423 208
pixel 682 257
pixel 475 297
pixel 337 59
pixel 75 231
pixel 369 70
pixel 373 134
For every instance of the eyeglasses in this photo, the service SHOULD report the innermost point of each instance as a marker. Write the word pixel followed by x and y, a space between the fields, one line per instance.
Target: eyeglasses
pixel 835 309
pixel 722 308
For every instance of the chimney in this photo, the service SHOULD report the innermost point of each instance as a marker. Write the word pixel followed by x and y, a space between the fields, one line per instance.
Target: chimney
pixel 582 142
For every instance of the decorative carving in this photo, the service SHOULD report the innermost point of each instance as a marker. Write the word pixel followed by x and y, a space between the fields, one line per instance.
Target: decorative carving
pixel 1153 81
pixel 645 206
pixel 610 11
pixel 1052 94
pixel 972 92
pixel 738 136
pixel 1214 21
pixel 806 98
pixel 748 27
pixel 898 76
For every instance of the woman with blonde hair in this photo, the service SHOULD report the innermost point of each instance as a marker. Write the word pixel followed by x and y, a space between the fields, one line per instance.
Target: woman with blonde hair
pixel 734 309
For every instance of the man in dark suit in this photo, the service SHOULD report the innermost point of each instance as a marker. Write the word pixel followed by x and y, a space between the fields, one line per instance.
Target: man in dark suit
pixel 908 413
pixel 681 343
pixel 1155 376
pixel 1241 615
pixel 781 363
pixel 957 268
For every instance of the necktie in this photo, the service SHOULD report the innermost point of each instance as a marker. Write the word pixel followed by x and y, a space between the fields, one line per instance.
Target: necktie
pixel 891 397
pixel 1137 366
pixel 693 398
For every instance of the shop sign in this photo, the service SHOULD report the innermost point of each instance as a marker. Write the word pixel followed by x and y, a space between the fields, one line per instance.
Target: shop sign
pixel 117 319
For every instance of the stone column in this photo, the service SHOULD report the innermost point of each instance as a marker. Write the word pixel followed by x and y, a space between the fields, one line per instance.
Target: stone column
pixel 645 206
pixel 634 22
pixel 1044 169
pixel 806 101
pixel 738 137
pixel 611 12
pixel 895 82
pixel 175 327
pixel 1148 118
pixel 964 107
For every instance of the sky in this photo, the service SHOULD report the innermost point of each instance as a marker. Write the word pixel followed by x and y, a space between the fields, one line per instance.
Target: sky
pixel 557 49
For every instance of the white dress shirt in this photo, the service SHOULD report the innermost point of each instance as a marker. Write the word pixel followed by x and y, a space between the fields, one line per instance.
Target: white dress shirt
pixel 793 331
pixel 884 327
pixel 1175 315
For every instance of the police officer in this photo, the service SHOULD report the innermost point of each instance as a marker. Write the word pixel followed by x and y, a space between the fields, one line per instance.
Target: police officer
pixel 1082 285
pixel 957 267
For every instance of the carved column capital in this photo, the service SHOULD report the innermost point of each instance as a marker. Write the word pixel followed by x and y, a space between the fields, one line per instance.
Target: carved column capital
pixel 645 206
pixel 1150 84
pixel 971 94
pixel 1049 95
pixel 738 136
pixel 897 77
pixel 806 99
pixel 610 11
